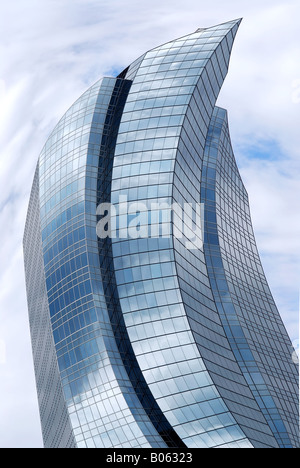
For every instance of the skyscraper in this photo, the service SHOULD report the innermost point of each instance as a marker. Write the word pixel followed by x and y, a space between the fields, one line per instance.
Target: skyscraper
pixel 147 333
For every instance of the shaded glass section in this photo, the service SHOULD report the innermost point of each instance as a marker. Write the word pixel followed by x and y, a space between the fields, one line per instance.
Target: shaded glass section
pixel 197 296
pixel 247 310
pixel 55 422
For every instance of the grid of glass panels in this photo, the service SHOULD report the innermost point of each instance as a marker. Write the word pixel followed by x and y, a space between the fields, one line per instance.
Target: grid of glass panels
pixel 55 422
pixel 245 304
pixel 109 284
pixel 103 406
pixel 197 332
pixel 150 134
pixel 195 287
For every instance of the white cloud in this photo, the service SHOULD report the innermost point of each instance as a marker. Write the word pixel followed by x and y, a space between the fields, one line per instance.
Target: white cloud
pixel 51 51
pixel 296 91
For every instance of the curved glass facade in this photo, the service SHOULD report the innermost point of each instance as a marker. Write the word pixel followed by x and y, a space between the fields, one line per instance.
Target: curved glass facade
pixel 246 307
pixel 154 343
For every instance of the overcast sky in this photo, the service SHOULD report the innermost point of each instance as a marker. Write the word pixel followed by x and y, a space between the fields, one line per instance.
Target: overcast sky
pixel 51 51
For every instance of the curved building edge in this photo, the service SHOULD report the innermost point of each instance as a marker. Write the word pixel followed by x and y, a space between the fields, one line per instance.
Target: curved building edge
pixel 148 341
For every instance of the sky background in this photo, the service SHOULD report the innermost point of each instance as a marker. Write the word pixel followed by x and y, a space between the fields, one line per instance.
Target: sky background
pixel 51 51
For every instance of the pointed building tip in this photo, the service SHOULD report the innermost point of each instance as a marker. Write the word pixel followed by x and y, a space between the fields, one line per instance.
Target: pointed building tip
pixel 234 21
pixel 239 20
pixel 232 25
pixel 229 24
